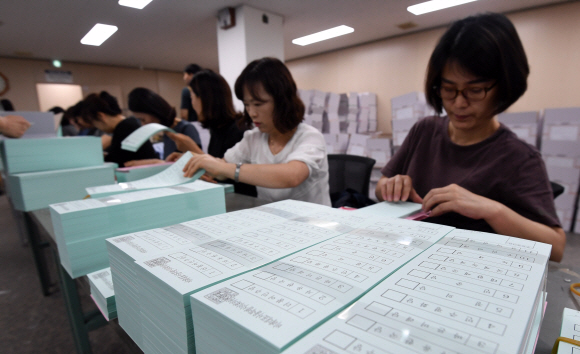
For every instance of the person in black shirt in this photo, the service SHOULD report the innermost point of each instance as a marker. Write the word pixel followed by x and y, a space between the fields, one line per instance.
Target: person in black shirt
pixel 103 112
pixel 187 112
pixel 211 98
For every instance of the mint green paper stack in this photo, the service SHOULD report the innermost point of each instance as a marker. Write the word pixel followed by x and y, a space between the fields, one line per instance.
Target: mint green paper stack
pixel 242 241
pixel 82 226
pixel 36 190
pixel 130 174
pixel 265 310
pixel 103 292
pixel 48 154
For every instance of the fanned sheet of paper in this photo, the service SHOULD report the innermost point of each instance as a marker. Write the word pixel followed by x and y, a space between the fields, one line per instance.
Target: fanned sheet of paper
pixel 137 138
pixel 290 297
pixel 570 329
pixel 471 292
pixel 171 176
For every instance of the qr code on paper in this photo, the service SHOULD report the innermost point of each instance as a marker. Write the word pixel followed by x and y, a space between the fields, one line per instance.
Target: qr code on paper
pixel 221 295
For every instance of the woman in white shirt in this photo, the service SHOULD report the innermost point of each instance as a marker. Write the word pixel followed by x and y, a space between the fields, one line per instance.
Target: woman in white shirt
pixel 283 157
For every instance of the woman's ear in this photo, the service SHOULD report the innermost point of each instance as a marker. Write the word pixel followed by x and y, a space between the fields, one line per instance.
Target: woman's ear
pixel 102 116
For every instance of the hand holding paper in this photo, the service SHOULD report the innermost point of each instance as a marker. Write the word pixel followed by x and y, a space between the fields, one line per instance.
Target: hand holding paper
pixel 134 141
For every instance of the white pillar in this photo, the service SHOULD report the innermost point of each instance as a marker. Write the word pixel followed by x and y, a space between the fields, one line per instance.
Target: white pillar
pixel 257 34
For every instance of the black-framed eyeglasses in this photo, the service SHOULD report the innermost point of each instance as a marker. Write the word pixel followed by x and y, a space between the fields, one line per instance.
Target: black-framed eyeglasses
pixel 472 94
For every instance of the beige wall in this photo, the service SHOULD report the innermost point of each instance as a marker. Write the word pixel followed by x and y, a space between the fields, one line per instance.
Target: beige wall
pixel 392 67
pixel 23 75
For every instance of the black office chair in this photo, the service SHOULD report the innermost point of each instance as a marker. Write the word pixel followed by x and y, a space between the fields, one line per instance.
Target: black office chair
pixel 349 171
pixel 557 189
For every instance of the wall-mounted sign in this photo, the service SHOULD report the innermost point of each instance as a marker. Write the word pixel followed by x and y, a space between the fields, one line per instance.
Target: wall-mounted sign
pixel 60 76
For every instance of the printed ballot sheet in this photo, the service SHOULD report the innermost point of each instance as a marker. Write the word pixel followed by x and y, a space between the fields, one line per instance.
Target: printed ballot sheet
pixel 294 294
pixel 136 139
pixel 570 329
pixel 171 176
pixel 471 292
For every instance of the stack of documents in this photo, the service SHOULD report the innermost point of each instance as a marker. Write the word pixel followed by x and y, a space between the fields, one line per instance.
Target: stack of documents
pixel 239 242
pixel 267 309
pixel 471 292
pixel 134 141
pixel 171 176
pixel 37 190
pixel 130 174
pixel 103 293
pixel 390 209
pixel 82 226
pixel 570 329
pixel 48 154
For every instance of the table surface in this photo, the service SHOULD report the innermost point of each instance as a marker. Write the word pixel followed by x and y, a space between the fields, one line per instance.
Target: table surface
pixel 560 275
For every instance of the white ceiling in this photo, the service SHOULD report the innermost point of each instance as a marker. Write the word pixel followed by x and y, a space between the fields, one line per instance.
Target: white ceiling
pixel 168 34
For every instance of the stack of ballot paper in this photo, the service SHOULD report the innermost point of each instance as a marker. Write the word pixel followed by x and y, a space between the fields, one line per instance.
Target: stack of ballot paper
pixel 130 174
pixel 171 176
pixel 37 190
pixel 103 293
pixel 82 226
pixel 390 209
pixel 267 309
pixel 570 329
pixel 134 141
pixel 48 154
pixel 126 249
pixel 239 242
pixel 471 292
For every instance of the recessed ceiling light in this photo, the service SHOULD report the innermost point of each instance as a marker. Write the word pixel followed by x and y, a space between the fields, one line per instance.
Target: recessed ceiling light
pixel 137 4
pixel 56 63
pixel 323 35
pixel 435 5
pixel 98 34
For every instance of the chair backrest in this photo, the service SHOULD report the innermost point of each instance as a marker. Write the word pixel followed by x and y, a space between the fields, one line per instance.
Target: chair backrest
pixel 349 171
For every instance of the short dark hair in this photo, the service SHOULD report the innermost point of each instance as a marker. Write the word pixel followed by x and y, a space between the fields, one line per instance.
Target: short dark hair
pixel 143 100
pixel 95 103
pixel 192 68
pixel 216 99
pixel 487 46
pixel 277 81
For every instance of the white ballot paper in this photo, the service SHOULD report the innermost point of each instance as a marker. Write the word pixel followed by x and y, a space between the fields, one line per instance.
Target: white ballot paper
pixel 267 309
pixel 472 292
pixel 137 138
pixel 570 329
pixel 171 176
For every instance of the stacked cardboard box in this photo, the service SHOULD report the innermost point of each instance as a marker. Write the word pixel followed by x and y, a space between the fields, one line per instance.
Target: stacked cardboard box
pixel 524 124
pixel 406 111
pixel 561 153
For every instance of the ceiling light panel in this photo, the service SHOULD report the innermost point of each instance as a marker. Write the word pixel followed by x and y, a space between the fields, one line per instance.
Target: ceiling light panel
pixel 323 35
pixel 435 5
pixel 98 34
pixel 136 4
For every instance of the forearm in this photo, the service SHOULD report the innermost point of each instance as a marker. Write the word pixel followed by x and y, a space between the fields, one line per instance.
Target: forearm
pixel 285 175
pixel 507 222
pixel 3 122
pixel 183 113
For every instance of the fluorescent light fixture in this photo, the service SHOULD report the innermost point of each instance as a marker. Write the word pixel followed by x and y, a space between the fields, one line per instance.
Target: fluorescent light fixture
pixel 98 34
pixel 435 5
pixel 56 63
pixel 137 4
pixel 323 35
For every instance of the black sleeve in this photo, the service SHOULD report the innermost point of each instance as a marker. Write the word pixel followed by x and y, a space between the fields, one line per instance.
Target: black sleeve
pixel 120 156
pixel 185 98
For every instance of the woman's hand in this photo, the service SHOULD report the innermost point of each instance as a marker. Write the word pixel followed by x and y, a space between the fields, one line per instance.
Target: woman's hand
pixel 174 156
pixel 397 188
pixel 184 143
pixel 13 126
pixel 216 168
pixel 454 198
pixel 142 162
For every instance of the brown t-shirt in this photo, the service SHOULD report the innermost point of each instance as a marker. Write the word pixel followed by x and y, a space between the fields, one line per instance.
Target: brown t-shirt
pixel 501 167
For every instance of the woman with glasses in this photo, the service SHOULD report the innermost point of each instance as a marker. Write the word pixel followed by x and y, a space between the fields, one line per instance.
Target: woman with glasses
pixel 466 168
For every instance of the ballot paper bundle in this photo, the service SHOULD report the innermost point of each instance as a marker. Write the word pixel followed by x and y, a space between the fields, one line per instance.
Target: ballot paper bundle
pixel 48 154
pixel 523 124
pixel 82 226
pixel 137 138
pixel 570 329
pixel 130 174
pixel 37 190
pixel 167 279
pixel 103 293
pixel 267 309
pixel 171 176
pixel 471 292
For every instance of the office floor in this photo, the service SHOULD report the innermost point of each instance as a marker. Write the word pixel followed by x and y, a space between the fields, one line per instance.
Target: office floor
pixel 30 322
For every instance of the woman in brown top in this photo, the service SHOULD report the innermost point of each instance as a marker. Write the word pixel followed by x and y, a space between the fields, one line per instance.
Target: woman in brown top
pixel 466 168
